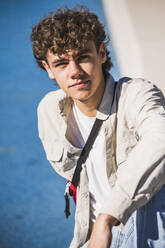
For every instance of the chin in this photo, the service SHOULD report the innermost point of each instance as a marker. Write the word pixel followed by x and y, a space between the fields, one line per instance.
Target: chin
pixel 82 98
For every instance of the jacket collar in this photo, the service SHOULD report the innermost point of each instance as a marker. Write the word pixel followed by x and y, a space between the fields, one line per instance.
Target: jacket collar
pixel 105 106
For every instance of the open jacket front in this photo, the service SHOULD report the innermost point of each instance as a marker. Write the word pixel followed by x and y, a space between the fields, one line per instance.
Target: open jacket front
pixel 134 126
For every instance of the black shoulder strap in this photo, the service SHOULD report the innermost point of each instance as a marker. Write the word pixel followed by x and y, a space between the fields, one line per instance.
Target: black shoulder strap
pixel 85 152
pixel 83 156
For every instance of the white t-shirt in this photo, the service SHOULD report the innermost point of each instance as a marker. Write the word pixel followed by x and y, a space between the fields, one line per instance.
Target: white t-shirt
pixel 95 163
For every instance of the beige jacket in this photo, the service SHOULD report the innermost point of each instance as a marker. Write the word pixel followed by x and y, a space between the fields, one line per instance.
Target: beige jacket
pixel 136 150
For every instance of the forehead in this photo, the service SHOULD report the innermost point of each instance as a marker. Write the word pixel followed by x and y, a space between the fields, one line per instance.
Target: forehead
pixel 88 48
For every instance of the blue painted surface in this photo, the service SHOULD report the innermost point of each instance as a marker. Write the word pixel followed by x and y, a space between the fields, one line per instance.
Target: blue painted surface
pixel 31 193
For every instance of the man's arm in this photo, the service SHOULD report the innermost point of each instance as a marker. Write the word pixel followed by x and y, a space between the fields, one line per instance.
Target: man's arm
pixel 141 176
pixel 103 225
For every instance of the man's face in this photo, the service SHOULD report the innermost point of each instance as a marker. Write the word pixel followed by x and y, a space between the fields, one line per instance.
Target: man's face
pixel 78 72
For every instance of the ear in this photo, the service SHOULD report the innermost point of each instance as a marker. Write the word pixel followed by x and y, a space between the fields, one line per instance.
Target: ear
pixel 48 69
pixel 102 53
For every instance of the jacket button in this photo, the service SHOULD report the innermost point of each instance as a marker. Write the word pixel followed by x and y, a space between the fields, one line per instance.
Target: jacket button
pixel 83 166
pixel 84 223
pixel 106 131
pixel 148 196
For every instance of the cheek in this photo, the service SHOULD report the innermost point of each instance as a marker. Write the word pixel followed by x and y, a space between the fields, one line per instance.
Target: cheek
pixel 89 68
pixel 61 79
pixel 62 84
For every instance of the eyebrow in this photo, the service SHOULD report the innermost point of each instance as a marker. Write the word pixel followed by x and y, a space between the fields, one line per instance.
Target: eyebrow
pixel 61 60
pixel 85 50
pixel 56 61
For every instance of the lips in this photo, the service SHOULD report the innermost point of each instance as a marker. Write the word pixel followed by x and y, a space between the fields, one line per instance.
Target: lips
pixel 80 83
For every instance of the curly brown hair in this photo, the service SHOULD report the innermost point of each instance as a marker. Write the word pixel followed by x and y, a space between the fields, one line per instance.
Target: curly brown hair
pixel 68 29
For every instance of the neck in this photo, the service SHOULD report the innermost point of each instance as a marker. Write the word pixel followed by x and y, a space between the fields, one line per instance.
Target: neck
pixel 89 106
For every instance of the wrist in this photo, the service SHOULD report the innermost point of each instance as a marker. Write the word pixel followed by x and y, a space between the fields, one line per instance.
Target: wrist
pixel 108 220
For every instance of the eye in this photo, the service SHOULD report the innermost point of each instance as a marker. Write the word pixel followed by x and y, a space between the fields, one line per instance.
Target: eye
pixel 84 58
pixel 61 64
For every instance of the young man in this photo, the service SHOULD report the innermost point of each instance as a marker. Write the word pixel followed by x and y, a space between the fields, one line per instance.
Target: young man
pixel 120 194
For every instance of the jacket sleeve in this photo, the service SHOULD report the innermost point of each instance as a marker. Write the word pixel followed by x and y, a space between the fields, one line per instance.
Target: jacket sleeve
pixel 142 175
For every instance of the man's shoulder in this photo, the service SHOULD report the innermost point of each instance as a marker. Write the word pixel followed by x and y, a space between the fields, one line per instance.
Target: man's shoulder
pixel 52 97
pixel 135 95
pixel 136 87
pixel 135 83
pixel 51 100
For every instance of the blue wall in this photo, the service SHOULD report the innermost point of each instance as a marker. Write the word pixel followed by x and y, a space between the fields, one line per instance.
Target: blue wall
pixel 31 193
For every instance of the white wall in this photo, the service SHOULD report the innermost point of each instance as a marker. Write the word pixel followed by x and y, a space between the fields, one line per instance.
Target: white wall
pixel 137 29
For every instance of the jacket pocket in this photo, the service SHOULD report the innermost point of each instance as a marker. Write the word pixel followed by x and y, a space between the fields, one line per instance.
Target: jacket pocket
pixel 62 159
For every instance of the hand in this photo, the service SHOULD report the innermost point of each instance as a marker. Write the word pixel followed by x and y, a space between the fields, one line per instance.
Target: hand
pixel 101 235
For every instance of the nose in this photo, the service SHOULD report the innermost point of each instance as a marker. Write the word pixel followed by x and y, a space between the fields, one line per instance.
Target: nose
pixel 75 69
